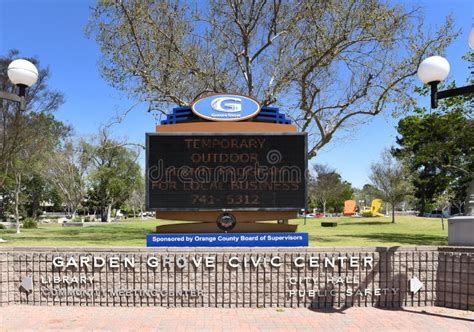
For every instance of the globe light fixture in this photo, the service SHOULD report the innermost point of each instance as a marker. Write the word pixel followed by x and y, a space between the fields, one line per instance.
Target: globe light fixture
pixel 471 38
pixel 23 74
pixel 433 69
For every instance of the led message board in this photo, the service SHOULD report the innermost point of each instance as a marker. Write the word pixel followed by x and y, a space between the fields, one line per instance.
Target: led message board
pixel 226 171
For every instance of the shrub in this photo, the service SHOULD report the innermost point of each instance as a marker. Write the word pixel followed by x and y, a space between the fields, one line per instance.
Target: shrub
pixel 2 226
pixel 29 223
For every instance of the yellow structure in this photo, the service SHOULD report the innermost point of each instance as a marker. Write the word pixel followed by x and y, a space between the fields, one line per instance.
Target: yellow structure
pixel 374 209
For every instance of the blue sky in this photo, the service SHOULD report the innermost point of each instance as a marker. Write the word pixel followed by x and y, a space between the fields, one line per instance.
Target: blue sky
pixel 53 30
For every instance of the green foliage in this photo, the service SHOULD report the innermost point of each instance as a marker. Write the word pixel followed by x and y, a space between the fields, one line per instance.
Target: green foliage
pixel 336 204
pixel 2 226
pixel 65 173
pixel 391 179
pixel 127 211
pixel 26 137
pixel 367 194
pixel 113 176
pixel 327 189
pixel 439 150
pixel 136 200
pixel 30 223
pixel 311 204
pixel 438 146
pixel 20 130
pixel 38 190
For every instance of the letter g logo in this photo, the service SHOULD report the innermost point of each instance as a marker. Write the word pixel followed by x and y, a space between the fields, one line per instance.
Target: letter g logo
pixel 217 104
pixel 226 107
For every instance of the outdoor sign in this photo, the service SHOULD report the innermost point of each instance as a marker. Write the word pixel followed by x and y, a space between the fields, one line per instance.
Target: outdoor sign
pixel 226 171
pixel 226 107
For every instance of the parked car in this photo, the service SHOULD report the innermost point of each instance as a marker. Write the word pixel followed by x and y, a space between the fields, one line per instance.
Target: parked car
pixel 436 214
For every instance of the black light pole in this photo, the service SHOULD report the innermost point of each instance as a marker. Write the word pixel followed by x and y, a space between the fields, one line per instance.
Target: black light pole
pixel 437 95
pixel 23 74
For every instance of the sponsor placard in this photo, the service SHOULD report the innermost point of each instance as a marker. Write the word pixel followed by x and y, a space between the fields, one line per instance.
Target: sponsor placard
pixel 228 240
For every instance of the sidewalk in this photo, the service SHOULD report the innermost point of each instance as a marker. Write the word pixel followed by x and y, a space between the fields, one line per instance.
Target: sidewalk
pixel 29 318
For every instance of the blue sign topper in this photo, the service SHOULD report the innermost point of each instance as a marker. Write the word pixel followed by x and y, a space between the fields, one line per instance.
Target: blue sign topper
pixel 228 240
pixel 226 107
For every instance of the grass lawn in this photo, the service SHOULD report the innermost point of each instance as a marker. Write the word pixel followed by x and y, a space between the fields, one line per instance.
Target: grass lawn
pixel 407 231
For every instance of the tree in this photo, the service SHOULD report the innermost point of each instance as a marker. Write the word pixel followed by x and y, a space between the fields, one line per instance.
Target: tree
pixel 330 64
pixel 16 131
pixel 113 172
pixel 37 190
pixel 66 170
pixel 391 179
pixel 136 201
pixel 327 187
pixel 438 147
pixel 25 136
pixel 443 203
pixel 336 204
pixel 26 162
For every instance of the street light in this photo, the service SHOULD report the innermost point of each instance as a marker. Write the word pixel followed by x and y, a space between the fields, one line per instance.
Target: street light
pixel 23 74
pixel 435 69
pixel 432 71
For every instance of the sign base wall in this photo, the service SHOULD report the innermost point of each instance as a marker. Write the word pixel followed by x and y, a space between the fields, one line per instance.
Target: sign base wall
pixel 234 278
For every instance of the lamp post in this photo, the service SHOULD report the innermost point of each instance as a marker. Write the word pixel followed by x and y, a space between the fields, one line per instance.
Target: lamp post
pixel 432 71
pixel 23 74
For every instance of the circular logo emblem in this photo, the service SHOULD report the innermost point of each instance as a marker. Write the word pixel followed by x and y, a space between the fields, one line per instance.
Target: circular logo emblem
pixel 226 222
pixel 226 107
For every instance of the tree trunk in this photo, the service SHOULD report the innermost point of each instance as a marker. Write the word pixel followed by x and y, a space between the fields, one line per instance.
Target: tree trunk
pixel 17 201
pixel 324 208
pixel 393 213
pixel 103 213
pixel 109 212
pixel 422 206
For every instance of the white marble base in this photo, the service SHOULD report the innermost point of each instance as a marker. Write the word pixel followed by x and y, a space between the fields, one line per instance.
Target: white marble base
pixel 461 231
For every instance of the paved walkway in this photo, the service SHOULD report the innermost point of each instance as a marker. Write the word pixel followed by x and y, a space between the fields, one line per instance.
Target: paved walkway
pixel 29 318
